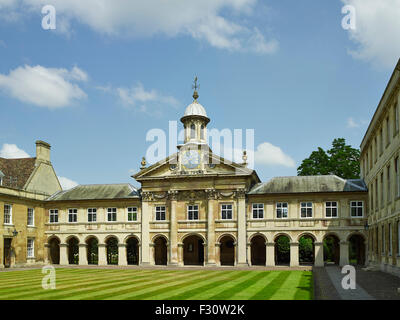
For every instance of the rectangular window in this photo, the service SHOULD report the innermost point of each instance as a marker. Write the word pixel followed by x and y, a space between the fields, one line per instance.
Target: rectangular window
pixel 376 194
pixel 282 210
pixel 387 131
pixel 356 209
pixel 306 210
pixel 381 141
pixel 376 149
pixel 388 190
pixel 72 215
pixel 111 214
pixel 132 214
pixel 7 214
pixel 258 211
pixel 396 120
pixel 383 240
pixel 160 213
pixel 226 212
pixel 397 168
pixel 382 190
pixel 390 239
pixel 31 217
pixel 92 214
pixel 31 248
pixel 331 210
pixel 193 212
pixel 53 216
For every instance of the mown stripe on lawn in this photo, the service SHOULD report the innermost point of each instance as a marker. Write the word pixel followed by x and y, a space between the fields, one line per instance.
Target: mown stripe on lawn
pixel 166 292
pixel 243 285
pixel 288 288
pixel 187 294
pixel 269 289
pixel 128 287
pixel 305 288
pixel 74 283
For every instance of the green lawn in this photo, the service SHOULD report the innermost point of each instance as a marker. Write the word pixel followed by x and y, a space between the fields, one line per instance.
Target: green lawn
pixel 141 284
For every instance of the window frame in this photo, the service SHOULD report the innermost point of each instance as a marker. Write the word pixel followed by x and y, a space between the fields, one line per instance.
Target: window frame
pixel 32 224
pixel 357 206
pixel 160 213
pixel 53 213
pixel 72 214
pixel 111 211
pixel 193 211
pixel 10 214
pixel 257 210
pixel 332 207
pixel 307 207
pixel 30 251
pixel 390 240
pixel 226 210
pixel 92 214
pixel 281 208
pixel 129 210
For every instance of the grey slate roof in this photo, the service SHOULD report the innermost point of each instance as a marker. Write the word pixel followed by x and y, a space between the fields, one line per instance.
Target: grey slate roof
pixel 97 192
pixel 309 184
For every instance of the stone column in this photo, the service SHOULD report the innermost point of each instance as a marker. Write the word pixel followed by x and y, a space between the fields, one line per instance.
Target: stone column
pixel 249 253
pixel 152 259
pixel 173 237
pixel 83 261
pixel 344 253
pixel 270 254
pixel 212 256
pixel 102 254
pixel 63 254
pixel 180 254
pixel 294 254
pixel 217 247
pixel 146 217
pixel 319 254
pixel 46 254
pixel 241 222
pixel 122 259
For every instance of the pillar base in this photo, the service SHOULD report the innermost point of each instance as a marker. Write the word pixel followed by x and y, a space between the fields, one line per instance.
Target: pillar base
pixel 211 264
pixel 145 264
pixel 242 264
pixel 173 264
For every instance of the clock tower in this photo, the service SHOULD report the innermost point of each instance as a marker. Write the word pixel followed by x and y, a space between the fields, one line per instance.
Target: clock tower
pixel 193 154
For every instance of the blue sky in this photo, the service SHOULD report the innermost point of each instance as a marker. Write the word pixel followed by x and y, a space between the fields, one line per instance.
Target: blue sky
pixel 97 84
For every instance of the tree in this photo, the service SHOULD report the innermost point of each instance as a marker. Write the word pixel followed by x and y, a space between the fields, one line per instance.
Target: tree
pixel 341 160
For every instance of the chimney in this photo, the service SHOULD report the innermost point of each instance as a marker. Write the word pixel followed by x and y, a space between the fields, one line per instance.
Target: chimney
pixel 42 151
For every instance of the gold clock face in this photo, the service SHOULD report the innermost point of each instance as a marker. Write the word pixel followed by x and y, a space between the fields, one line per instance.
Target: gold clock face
pixel 191 159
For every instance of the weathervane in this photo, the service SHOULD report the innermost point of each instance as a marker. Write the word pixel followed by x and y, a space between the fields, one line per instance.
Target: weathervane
pixel 195 87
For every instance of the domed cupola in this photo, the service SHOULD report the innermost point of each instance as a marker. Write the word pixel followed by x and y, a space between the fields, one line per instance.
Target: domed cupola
pixel 195 120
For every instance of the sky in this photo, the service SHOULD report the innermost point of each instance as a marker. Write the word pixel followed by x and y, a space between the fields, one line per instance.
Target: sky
pixel 112 71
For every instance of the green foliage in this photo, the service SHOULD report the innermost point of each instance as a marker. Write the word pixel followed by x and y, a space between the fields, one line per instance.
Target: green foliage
pixel 306 250
pixel 283 249
pixel 341 160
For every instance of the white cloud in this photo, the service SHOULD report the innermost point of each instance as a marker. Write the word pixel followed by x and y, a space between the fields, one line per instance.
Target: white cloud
pixel 377 23
pixel 67 183
pixel 11 151
pixel 144 100
pixel 351 123
pixel 202 20
pixel 270 155
pixel 44 87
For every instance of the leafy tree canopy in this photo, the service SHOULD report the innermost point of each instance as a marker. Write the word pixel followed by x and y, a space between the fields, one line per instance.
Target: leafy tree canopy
pixel 341 160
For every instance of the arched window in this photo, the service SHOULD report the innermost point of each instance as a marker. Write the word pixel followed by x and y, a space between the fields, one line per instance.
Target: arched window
pixel 202 132
pixel 192 131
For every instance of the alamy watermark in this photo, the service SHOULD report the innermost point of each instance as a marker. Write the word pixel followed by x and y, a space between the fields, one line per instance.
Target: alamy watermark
pixel 349 21
pixel 49 280
pixel 49 20
pixel 349 280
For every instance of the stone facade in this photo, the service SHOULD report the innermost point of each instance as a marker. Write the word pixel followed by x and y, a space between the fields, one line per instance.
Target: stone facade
pixel 380 154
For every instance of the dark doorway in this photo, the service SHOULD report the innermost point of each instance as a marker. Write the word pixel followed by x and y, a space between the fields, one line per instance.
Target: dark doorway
pixel 356 250
pixel 112 251
pixel 282 250
pixel 306 250
pixel 332 250
pixel 258 254
pixel 132 251
pixel 227 251
pixel 92 251
pixel 54 245
pixel 73 251
pixel 7 252
pixel 160 251
pixel 193 251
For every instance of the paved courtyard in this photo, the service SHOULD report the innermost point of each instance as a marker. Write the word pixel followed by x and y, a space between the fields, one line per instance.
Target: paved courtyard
pixel 371 285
